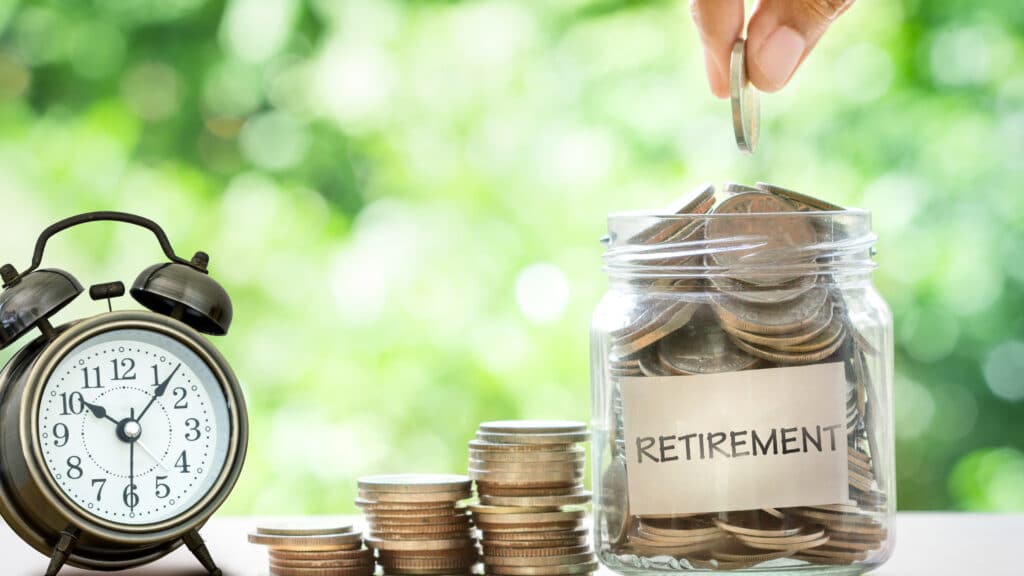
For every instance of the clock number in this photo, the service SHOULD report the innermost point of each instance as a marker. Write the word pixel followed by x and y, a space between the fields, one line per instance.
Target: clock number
pixel 74 467
pixel 182 463
pixel 85 376
pixel 99 492
pixel 180 403
pixel 162 489
pixel 125 363
pixel 193 430
pixel 72 403
pixel 130 496
pixel 60 433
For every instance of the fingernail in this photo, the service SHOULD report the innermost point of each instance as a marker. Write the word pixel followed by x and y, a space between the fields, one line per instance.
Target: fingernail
pixel 779 56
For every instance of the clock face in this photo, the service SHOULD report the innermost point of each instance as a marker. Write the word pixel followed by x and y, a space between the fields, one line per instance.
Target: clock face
pixel 134 427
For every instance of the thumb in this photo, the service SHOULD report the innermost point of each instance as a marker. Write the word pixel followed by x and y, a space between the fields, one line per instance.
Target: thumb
pixel 780 35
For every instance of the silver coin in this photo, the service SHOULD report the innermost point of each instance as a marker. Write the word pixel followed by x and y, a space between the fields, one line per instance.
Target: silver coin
pixel 770 319
pixel 702 347
pixel 746 107
pixel 802 201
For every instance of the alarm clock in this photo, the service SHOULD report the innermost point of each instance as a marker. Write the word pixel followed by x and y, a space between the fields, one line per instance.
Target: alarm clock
pixel 122 433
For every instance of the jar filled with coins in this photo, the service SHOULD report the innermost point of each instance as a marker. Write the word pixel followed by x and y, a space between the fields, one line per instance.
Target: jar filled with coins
pixel 742 388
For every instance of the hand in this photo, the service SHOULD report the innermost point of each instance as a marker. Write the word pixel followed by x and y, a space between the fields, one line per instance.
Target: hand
pixel 160 390
pixel 780 35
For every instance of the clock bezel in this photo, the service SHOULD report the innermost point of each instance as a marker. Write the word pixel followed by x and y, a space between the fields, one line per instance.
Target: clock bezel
pixel 78 516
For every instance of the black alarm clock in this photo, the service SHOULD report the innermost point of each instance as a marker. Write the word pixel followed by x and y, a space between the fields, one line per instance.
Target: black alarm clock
pixel 122 433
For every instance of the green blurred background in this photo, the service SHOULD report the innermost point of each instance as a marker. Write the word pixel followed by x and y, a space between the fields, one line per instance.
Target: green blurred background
pixel 404 199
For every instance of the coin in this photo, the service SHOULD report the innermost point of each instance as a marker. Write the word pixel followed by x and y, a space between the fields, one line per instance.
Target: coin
pixel 802 312
pixel 569 466
pixel 321 564
pixel 414 497
pixel 538 533
pixel 342 541
pixel 485 510
pixel 283 571
pixel 759 246
pixel 567 560
pixel 803 201
pixel 533 547
pixel 357 554
pixel 528 458
pixel 497 489
pixel 533 427
pixel 665 319
pixel 746 108
pixel 533 438
pixel 416 483
pixel 518 447
pixel 450 544
pixel 304 528
pixel 585 568
pixel 697 201
pixel 702 347
pixel 563 500
pixel 534 552
pixel 614 502
pixel 529 518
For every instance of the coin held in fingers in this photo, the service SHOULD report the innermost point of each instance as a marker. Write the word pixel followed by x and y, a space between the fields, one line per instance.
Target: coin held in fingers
pixel 746 107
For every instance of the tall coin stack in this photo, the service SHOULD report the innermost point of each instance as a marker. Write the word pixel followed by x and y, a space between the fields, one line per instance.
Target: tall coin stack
pixel 416 523
pixel 315 549
pixel 528 476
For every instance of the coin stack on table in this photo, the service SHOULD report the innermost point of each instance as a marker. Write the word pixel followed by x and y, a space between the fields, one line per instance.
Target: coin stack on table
pixel 774 316
pixel 417 525
pixel 315 549
pixel 529 481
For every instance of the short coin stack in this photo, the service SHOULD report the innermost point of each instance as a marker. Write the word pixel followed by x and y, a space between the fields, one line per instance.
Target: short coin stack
pixel 314 549
pixel 416 523
pixel 528 476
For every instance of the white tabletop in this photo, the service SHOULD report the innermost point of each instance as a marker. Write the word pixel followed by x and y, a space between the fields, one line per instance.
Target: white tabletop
pixel 927 544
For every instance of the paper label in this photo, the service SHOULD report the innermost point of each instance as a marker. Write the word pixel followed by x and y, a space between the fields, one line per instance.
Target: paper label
pixel 736 441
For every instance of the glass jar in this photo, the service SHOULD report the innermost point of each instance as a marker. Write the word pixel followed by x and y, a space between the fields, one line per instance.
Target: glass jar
pixel 741 379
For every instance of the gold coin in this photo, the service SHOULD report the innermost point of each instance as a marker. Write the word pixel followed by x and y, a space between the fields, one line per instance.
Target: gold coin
pixel 345 541
pixel 440 507
pixel 571 477
pixel 756 523
pixel 426 565
pixel 492 530
pixel 494 537
pixel 513 547
pixel 584 568
pixel 573 454
pixel 468 551
pixel 421 535
pixel 477 444
pixel 479 509
pixel 538 501
pixel 414 497
pixel 423 523
pixel 305 528
pixel 553 438
pixel 415 483
pixel 567 560
pixel 283 571
pixel 362 554
pixel 570 468
pixel 337 563
pixel 451 544
pixel 534 427
pixel 529 518
pixel 498 489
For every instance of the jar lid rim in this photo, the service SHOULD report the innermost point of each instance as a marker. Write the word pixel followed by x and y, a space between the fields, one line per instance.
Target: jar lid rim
pixel 625 214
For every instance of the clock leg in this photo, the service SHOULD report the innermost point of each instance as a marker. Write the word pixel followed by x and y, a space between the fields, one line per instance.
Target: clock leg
pixel 67 542
pixel 195 543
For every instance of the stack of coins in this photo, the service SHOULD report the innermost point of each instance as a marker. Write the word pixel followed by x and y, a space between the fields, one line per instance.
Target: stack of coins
pixel 315 549
pixel 528 476
pixel 761 311
pixel 416 523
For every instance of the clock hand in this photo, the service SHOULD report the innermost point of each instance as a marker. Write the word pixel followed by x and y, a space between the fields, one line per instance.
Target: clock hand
pixel 148 451
pixel 99 411
pixel 160 389
pixel 131 469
